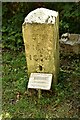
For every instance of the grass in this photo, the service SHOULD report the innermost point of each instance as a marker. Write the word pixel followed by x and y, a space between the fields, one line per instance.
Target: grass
pixel 58 103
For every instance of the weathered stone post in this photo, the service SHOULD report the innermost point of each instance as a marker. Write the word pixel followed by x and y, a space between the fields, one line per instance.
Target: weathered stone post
pixel 41 38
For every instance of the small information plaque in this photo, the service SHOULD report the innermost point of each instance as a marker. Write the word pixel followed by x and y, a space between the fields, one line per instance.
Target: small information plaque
pixel 40 81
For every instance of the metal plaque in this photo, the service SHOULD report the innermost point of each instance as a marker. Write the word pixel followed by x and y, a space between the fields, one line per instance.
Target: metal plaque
pixel 40 81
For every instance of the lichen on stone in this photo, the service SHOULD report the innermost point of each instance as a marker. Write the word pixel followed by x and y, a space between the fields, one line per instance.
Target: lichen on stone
pixel 41 15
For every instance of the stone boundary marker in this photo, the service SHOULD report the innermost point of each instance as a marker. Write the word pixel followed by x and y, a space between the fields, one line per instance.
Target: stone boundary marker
pixel 41 39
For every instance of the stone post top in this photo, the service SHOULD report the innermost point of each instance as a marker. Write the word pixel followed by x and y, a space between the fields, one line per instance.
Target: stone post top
pixel 41 15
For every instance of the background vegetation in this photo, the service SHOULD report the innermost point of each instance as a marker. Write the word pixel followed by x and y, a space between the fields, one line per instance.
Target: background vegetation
pixel 13 15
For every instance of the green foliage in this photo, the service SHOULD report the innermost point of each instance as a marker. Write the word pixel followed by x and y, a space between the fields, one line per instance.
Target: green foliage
pixel 12 70
pixel 13 15
pixel 70 17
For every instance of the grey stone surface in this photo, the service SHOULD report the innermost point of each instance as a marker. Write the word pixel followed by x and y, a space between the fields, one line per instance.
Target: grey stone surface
pixel 71 39
pixel 70 43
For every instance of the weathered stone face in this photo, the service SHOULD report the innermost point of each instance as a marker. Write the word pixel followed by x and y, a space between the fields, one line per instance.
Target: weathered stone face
pixel 41 45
